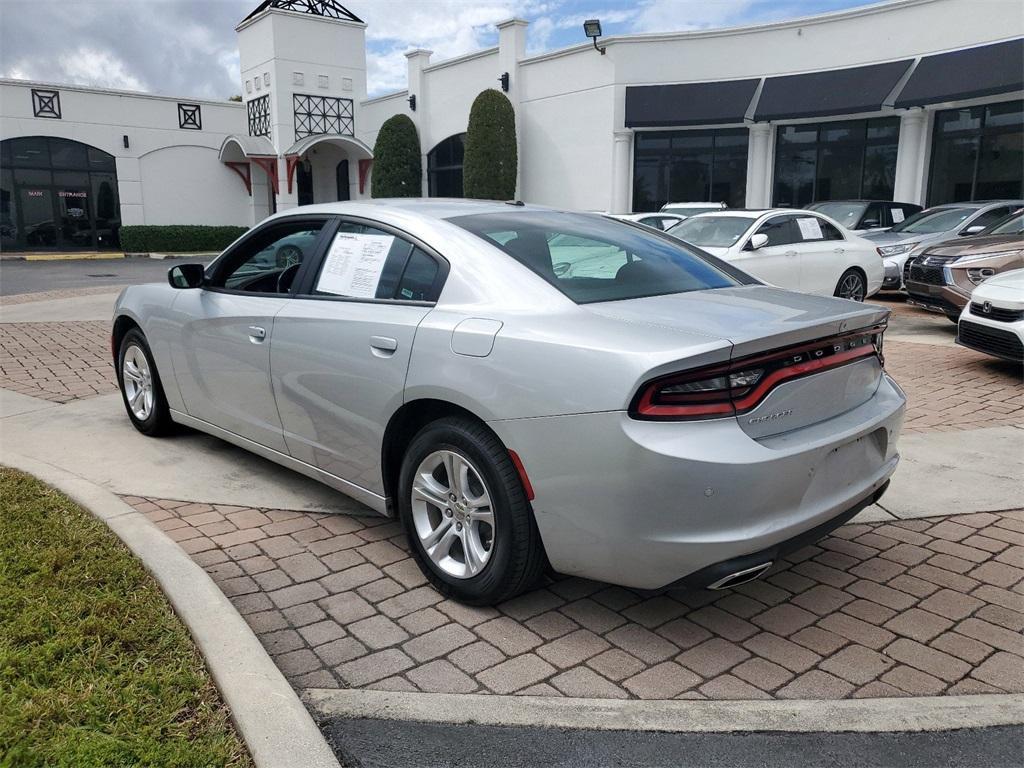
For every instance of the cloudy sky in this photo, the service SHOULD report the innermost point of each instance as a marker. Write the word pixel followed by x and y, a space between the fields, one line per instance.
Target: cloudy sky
pixel 187 47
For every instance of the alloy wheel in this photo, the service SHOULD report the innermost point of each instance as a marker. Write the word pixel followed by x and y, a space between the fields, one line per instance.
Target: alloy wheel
pixel 138 382
pixel 852 287
pixel 452 514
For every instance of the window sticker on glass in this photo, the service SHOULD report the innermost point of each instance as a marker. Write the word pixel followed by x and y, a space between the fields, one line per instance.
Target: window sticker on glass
pixel 353 265
pixel 810 229
pixel 897 215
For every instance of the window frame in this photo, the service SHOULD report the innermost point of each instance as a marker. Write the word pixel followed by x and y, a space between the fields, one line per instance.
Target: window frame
pixel 217 266
pixel 305 282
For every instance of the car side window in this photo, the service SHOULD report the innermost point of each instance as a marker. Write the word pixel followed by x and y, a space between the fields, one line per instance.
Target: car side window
pixel 269 260
pixel 829 232
pixel 873 217
pixel 364 262
pixel 780 231
pixel 990 217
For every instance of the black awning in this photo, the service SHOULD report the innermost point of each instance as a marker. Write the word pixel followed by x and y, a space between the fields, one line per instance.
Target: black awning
pixel 833 92
pixel 987 70
pixel 650 106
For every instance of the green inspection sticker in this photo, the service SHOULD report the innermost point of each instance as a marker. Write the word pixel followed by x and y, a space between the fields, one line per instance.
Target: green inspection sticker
pixel 406 293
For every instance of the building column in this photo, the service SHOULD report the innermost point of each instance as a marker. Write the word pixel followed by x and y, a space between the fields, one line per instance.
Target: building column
pixel 416 61
pixel 759 163
pixel 621 155
pixel 511 50
pixel 908 186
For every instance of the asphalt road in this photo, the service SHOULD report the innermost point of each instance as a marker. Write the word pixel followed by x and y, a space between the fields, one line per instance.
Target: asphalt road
pixel 384 743
pixel 18 276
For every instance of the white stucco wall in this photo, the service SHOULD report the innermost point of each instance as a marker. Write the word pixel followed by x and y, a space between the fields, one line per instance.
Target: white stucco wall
pixel 187 184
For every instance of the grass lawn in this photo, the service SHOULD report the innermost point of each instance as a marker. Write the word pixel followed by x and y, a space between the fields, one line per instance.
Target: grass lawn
pixel 95 667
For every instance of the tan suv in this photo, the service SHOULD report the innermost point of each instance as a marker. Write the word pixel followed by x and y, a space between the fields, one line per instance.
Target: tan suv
pixel 942 278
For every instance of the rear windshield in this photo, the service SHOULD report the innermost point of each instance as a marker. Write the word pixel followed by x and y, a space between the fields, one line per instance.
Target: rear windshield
pixel 592 258
pixel 847 214
pixel 934 220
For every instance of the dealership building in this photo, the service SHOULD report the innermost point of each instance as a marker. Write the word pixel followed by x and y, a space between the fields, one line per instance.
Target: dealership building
pixel 918 101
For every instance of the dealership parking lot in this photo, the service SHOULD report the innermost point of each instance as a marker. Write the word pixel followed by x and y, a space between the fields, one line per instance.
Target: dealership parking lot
pixel 925 602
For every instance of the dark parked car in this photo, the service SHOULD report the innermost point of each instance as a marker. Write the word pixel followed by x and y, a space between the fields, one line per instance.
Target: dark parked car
pixel 863 215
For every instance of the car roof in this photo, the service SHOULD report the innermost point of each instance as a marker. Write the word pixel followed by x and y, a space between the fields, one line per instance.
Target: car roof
pixel 756 212
pixel 425 207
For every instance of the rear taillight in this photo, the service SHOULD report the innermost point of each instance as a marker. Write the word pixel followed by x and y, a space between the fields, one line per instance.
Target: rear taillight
pixel 728 389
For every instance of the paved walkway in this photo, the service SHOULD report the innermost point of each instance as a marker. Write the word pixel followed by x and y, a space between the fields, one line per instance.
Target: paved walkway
pixel 882 608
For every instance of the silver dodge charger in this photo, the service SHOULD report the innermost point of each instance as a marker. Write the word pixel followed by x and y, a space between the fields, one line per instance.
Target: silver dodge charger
pixel 525 389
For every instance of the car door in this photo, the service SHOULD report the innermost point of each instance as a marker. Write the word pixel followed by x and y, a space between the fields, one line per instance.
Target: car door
pixel 340 350
pixel 821 253
pixel 985 219
pixel 222 355
pixel 776 262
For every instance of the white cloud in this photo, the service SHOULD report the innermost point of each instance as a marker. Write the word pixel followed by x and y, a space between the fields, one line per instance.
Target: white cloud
pixel 89 66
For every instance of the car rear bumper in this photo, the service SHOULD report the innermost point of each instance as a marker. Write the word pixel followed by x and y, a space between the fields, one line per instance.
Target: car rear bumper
pixel 645 504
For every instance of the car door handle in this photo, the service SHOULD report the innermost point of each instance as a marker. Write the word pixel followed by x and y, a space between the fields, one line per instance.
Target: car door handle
pixel 839 250
pixel 257 334
pixel 383 346
pixel 790 254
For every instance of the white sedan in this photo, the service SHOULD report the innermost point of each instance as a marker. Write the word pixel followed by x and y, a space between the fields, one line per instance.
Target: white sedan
pixel 800 250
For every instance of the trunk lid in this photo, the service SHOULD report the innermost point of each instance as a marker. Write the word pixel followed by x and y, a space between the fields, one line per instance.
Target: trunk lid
pixel 758 319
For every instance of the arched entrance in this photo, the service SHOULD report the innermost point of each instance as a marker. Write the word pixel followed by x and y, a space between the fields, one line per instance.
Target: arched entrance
pixel 327 168
pixel 57 194
pixel 444 167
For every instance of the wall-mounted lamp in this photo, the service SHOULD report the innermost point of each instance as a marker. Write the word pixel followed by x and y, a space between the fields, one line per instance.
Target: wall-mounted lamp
pixel 412 103
pixel 504 81
pixel 125 139
pixel 592 29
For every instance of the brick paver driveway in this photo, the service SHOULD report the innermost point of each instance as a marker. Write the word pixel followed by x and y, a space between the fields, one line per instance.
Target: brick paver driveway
pixel 917 607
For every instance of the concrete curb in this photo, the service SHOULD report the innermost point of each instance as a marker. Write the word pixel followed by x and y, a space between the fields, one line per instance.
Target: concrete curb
pixel 938 713
pixel 276 727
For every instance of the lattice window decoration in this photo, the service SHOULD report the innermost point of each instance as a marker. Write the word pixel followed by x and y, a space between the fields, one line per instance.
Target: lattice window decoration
pixel 258 110
pixel 298 78
pixel 190 116
pixel 316 115
pixel 324 81
pixel 46 104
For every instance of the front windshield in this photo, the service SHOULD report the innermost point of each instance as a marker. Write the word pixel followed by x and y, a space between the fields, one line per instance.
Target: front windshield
pixel 710 231
pixel 592 258
pixel 847 214
pixel 934 220
pixel 1012 225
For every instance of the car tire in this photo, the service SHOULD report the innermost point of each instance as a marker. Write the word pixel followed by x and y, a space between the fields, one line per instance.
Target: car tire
pixel 137 371
pixel 851 285
pixel 514 560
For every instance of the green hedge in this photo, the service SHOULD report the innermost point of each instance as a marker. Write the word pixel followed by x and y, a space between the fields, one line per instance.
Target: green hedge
pixel 489 165
pixel 177 238
pixel 397 168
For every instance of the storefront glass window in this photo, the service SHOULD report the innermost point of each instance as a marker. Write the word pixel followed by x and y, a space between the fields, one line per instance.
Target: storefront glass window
pixel 689 167
pixel 57 194
pixel 977 154
pixel 843 160
pixel 444 167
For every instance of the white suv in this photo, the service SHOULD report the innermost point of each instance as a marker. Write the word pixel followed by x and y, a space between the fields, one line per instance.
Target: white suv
pixel 993 322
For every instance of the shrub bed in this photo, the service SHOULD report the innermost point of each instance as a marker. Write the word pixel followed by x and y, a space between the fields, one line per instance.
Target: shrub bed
pixel 177 238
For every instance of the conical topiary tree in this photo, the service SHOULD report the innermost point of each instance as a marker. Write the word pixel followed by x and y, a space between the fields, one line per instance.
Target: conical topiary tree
pixel 397 169
pixel 489 166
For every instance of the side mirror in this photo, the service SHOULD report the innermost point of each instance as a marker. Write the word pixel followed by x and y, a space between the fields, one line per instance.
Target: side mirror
pixel 972 230
pixel 760 240
pixel 186 275
pixel 871 224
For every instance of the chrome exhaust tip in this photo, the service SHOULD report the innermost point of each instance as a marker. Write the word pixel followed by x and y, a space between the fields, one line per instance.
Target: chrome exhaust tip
pixel 740 577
